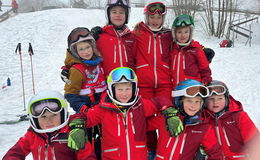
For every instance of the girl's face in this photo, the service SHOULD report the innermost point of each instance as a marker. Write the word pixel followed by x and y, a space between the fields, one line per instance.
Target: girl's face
pixel 216 103
pixel 123 92
pixel 49 120
pixel 84 50
pixel 117 16
pixel 155 21
pixel 182 34
pixel 192 105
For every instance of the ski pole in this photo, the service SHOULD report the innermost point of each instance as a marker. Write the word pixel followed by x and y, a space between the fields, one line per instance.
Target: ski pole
pixel 30 51
pixel 18 48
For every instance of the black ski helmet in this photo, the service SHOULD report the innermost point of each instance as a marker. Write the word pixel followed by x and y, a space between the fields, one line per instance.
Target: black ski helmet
pixel 123 3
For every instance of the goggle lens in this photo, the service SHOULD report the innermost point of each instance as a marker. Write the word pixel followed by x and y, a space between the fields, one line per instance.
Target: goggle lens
pixel 217 89
pixel 186 20
pixel 119 73
pixel 38 108
pixel 156 7
pixel 81 32
pixel 193 91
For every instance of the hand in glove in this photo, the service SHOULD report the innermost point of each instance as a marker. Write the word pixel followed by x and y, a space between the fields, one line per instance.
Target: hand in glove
pixel 95 31
pixel 173 123
pixel 77 136
pixel 64 75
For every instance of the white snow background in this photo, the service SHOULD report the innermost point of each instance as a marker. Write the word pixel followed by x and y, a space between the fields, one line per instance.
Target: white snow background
pixel 47 31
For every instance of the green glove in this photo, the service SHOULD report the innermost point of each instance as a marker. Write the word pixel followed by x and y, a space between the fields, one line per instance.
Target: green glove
pixel 173 123
pixel 77 136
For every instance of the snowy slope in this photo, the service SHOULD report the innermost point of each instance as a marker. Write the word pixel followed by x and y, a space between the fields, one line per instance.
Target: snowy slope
pixel 47 31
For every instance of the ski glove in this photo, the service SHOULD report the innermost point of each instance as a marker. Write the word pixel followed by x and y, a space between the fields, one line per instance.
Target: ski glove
pixel 77 135
pixel 173 123
pixel 95 31
pixel 64 75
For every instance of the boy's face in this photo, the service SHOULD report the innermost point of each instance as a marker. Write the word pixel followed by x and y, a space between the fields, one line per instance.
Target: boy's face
pixel 192 105
pixel 49 120
pixel 216 103
pixel 182 34
pixel 117 16
pixel 123 91
pixel 84 50
pixel 155 21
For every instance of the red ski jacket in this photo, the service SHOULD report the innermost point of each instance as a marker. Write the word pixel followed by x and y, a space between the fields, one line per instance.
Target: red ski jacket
pixel 123 134
pixel 115 48
pixel 189 62
pixel 52 147
pixel 235 130
pixel 152 55
pixel 184 146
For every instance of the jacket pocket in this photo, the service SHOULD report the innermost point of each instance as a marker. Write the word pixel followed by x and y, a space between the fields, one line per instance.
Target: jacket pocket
pixel 111 153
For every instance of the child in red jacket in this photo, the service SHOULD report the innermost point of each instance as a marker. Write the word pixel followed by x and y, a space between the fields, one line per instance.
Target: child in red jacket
pixel 188 60
pixel 152 56
pixel 122 115
pixel 234 128
pixel 188 98
pixel 48 135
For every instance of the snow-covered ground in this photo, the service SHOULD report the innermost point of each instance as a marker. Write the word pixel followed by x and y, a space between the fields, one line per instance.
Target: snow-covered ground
pixel 47 31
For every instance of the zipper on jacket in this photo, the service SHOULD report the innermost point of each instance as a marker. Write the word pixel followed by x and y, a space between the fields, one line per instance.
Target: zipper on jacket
pixel 46 151
pixel 155 60
pixel 174 61
pixel 174 147
pixel 127 137
pixel 217 131
pixel 120 52
pixel 225 134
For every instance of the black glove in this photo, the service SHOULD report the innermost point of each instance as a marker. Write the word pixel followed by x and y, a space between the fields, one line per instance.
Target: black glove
pixel 209 53
pixel 64 75
pixel 95 31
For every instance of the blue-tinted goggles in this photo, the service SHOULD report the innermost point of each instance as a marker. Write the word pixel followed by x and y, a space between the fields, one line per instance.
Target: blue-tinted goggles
pixel 122 72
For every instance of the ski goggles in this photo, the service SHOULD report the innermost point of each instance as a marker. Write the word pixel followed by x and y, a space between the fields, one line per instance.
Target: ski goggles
pixel 192 91
pixel 119 2
pixel 183 20
pixel 79 33
pixel 217 89
pixel 156 7
pixel 38 108
pixel 117 74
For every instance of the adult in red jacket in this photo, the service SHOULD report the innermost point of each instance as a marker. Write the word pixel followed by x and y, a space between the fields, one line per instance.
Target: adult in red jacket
pixel 234 128
pixel 48 135
pixel 188 60
pixel 197 130
pixel 116 41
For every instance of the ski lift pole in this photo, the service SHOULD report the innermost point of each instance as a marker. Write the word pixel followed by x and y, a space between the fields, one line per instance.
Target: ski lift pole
pixel 18 48
pixel 30 51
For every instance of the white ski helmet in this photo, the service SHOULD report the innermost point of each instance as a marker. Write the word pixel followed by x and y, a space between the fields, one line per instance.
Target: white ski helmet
pixel 112 3
pixel 121 75
pixel 52 101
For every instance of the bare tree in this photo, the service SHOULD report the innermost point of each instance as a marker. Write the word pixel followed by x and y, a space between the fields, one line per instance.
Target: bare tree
pixel 186 7
pixel 223 13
